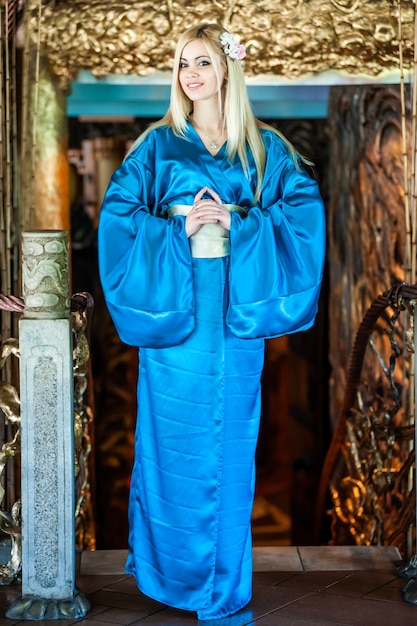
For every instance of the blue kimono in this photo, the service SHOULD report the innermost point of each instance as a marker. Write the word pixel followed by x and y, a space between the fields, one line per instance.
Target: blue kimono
pixel 200 324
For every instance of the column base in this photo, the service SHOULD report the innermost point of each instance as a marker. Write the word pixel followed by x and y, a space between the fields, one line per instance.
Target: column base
pixel 36 608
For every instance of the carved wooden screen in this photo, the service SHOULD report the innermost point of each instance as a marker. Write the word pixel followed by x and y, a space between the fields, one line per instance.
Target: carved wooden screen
pixel 370 464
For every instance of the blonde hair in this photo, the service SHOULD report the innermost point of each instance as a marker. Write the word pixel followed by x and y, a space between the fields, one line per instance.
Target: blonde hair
pixel 241 125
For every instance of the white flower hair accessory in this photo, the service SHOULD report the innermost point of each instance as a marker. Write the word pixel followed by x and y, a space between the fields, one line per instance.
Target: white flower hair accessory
pixel 231 47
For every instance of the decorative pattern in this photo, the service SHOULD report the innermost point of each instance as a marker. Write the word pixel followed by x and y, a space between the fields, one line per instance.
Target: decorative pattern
pixel 81 311
pixel 367 229
pixel 369 464
pixel 45 364
pixel 290 38
pixel 45 274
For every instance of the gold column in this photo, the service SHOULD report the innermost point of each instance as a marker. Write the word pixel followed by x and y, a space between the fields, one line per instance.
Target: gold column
pixel 49 206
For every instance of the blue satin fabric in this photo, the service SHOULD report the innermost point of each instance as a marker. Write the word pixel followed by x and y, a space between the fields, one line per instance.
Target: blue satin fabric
pixel 200 325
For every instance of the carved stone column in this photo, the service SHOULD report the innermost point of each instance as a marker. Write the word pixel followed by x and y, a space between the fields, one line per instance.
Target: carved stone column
pixel 47 433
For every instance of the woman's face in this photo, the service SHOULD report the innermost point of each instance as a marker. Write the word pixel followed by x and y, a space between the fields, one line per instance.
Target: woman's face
pixel 196 73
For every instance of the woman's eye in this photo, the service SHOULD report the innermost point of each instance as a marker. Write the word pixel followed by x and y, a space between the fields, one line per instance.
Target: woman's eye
pixel 204 63
pixel 182 65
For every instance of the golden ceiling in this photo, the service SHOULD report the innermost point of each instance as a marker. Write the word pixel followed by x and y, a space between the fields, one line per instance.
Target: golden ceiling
pixel 289 38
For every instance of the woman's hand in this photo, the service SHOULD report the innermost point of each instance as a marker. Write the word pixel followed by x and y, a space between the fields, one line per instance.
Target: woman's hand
pixel 206 211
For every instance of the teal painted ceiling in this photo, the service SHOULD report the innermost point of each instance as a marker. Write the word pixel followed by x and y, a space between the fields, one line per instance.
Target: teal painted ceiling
pixel 133 96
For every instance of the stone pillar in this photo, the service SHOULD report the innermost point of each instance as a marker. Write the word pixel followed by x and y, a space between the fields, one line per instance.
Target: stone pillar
pixel 47 434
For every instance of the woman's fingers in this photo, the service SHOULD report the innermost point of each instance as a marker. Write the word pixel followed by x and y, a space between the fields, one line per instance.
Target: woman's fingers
pixel 210 191
pixel 197 217
pixel 214 195
pixel 206 211
pixel 200 194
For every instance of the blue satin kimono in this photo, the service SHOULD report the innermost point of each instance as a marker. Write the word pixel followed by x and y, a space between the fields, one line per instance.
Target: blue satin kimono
pixel 200 324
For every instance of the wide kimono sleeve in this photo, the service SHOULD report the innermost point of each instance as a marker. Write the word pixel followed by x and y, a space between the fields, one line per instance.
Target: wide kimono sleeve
pixel 277 254
pixel 144 263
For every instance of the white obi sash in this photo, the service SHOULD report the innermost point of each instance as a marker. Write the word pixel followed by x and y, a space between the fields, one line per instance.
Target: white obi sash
pixel 211 240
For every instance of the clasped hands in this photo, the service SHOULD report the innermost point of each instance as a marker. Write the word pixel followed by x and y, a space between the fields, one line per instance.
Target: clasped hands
pixel 206 211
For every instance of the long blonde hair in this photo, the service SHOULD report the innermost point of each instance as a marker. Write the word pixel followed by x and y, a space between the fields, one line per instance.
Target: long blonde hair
pixel 241 125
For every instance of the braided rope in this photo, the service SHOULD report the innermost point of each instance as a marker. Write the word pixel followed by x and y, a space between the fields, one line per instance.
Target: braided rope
pixel 11 303
pixel 79 302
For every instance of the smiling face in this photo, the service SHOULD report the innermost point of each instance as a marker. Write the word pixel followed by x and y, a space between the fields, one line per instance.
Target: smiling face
pixel 197 72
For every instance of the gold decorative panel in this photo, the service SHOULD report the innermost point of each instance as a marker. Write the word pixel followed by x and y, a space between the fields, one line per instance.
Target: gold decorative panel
pixel 289 38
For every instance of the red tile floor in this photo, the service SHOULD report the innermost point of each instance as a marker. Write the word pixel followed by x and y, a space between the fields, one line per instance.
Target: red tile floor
pixel 306 586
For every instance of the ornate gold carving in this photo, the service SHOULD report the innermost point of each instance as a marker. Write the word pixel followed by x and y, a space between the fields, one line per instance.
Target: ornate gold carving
pixel 290 38
pixel 10 523
pixel 81 309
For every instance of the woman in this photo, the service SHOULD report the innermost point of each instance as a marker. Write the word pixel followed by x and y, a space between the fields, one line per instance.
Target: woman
pixel 211 239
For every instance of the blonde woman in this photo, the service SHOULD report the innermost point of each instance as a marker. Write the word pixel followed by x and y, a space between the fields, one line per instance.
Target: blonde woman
pixel 211 239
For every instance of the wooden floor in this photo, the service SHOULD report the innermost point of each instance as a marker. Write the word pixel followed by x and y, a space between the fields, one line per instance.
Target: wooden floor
pixel 306 586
